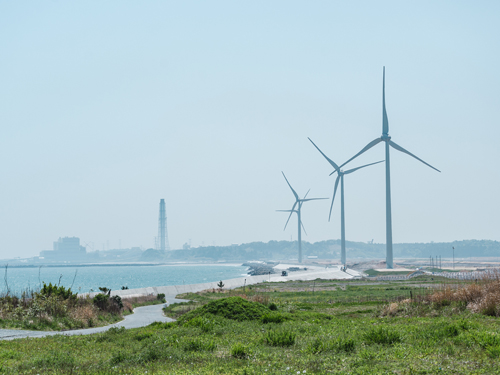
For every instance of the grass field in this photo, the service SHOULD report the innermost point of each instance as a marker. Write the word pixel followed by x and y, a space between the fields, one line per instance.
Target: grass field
pixel 285 328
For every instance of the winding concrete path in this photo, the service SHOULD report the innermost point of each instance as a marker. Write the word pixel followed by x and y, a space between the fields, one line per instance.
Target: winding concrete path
pixel 141 317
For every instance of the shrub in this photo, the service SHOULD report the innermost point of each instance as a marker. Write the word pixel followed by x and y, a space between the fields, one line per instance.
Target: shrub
pixel 61 292
pixel 273 306
pixel 239 350
pixel 101 301
pixel 381 335
pixel 161 297
pixel 235 308
pixel 280 338
pixel 273 318
pixel 109 304
pixel 118 301
pixel 482 297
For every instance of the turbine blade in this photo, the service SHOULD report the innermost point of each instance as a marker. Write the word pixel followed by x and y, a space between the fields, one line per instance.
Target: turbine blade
pixel 307 193
pixel 311 199
pixel 303 228
pixel 293 191
pixel 367 165
pixel 366 148
pixel 399 148
pixel 332 163
pixel 334 192
pixel 289 216
pixel 385 121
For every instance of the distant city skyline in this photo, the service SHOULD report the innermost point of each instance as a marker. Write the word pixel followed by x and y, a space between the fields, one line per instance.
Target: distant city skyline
pixel 108 107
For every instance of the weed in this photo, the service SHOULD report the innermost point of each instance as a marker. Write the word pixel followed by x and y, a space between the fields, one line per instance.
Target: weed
pixel 381 335
pixel 118 357
pixel 239 350
pixel 196 345
pixel 493 351
pixel 273 318
pixel 280 337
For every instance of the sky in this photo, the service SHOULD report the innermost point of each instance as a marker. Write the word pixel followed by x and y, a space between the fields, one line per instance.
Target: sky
pixel 108 107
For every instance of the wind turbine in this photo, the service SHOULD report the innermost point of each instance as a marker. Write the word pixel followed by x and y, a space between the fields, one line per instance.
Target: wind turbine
pixel 387 139
pixel 340 177
pixel 298 203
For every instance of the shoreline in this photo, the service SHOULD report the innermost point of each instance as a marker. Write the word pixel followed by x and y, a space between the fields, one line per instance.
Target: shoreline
pixel 132 264
pixel 312 273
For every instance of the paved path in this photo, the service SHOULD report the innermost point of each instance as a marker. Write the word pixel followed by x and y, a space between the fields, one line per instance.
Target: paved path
pixel 141 317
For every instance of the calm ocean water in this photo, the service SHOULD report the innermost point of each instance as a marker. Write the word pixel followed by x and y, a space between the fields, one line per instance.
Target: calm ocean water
pixel 114 277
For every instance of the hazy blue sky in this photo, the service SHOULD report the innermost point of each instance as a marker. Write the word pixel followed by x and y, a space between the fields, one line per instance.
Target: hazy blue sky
pixel 107 107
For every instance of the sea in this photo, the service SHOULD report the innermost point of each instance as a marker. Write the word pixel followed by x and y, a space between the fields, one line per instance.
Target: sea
pixel 83 279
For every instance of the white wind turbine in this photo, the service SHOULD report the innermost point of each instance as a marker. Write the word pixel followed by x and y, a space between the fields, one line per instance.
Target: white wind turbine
pixel 340 177
pixel 298 203
pixel 387 139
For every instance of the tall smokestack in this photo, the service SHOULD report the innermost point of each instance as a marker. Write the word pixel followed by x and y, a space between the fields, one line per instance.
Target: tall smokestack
pixel 162 228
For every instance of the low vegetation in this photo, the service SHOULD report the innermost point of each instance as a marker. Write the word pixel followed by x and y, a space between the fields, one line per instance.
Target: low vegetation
pixel 419 327
pixel 57 308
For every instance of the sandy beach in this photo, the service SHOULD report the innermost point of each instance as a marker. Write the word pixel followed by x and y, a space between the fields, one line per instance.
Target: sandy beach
pixel 309 273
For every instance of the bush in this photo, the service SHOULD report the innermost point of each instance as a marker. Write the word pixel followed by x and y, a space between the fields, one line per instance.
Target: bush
pixel 381 335
pixel 61 292
pixel 118 301
pixel 101 301
pixel 273 318
pixel 109 304
pixel 161 297
pixel 235 308
pixel 273 307
pixel 280 338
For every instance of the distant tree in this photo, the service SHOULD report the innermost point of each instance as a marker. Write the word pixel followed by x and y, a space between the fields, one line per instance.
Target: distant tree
pixel 220 285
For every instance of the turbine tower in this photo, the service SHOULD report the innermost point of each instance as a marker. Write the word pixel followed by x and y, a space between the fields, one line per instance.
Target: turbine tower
pixel 340 176
pixel 298 203
pixel 162 228
pixel 387 139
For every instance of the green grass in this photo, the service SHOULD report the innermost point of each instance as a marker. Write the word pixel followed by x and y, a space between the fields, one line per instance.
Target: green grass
pixel 317 333
pixel 372 272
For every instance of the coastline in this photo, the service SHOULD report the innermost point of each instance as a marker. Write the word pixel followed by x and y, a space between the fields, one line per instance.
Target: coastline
pixel 311 273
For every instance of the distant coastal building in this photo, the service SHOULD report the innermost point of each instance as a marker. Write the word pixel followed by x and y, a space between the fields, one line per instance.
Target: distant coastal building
pixel 65 248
